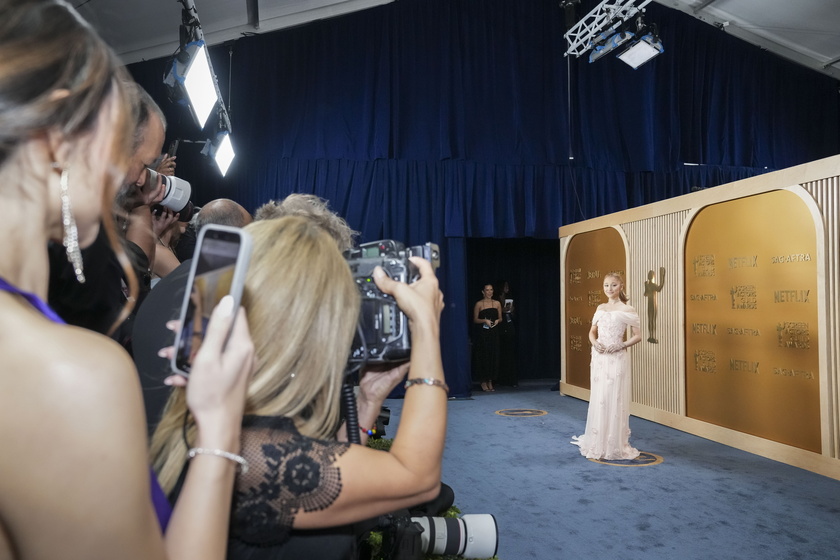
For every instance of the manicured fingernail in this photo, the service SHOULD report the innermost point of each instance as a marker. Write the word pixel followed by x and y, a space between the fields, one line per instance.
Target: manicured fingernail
pixel 167 381
pixel 226 306
pixel 162 352
pixel 170 325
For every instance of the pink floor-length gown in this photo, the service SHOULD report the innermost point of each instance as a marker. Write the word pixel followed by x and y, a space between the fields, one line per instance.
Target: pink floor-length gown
pixel 607 434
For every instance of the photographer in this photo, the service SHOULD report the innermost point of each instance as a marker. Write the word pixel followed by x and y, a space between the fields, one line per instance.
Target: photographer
pixel 303 307
pixel 97 303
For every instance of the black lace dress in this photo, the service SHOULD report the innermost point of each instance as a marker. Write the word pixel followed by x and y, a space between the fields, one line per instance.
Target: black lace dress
pixel 287 473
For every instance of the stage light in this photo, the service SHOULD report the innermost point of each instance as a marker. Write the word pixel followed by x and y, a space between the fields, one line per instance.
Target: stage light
pixel 224 153
pixel 191 73
pixel 200 85
pixel 641 51
pixel 220 150
pixel 609 45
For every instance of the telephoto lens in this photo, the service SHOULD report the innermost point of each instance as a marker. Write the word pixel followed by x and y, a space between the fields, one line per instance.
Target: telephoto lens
pixel 176 195
pixel 469 536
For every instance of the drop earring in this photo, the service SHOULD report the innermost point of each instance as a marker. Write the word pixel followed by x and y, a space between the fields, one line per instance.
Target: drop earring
pixel 71 233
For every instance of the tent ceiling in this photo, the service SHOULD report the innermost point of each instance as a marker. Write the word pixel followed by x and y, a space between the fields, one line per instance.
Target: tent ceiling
pixel 805 31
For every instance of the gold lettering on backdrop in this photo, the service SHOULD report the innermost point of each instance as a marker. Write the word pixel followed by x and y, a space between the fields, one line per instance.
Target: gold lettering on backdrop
pixel 576 298
pixel 791 296
pixel 575 276
pixel 743 331
pixel 704 361
pixel 703 328
pixel 784 372
pixel 595 298
pixel 704 265
pixel 744 297
pixel 575 321
pixel 593 274
pixel 576 343
pixel 744 262
pixel 795 257
pixel 794 334
pixel 743 365
pixel 763 250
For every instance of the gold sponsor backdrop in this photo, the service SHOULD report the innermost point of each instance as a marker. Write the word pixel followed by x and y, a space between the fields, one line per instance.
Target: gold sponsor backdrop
pixel 590 257
pixel 751 319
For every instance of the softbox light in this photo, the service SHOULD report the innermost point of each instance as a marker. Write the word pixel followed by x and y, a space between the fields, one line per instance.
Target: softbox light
pixel 642 51
pixel 220 150
pixel 191 73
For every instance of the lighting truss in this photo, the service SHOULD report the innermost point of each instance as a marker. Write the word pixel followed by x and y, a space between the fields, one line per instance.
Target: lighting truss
pixel 606 17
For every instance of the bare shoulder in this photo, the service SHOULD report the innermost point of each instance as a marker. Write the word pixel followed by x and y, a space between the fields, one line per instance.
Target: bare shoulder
pixel 628 308
pixel 71 411
pixel 64 370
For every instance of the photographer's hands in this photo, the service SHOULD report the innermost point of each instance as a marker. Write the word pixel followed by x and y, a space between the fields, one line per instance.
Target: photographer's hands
pixel 166 165
pixel 421 301
pixel 161 222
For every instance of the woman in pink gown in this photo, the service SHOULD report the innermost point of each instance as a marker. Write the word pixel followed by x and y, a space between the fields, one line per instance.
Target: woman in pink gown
pixel 607 434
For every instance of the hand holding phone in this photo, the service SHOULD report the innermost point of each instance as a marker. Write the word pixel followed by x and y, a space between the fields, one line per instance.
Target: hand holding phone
pixel 218 269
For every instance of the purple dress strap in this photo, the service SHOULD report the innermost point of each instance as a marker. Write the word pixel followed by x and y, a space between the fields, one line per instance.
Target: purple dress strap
pixel 162 507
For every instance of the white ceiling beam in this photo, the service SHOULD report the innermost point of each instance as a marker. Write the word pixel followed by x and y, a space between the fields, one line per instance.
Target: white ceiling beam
pixel 830 68
pixel 266 23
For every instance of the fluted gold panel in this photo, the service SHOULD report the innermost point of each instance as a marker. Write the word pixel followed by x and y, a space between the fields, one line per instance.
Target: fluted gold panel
pixel 654 247
pixel 826 193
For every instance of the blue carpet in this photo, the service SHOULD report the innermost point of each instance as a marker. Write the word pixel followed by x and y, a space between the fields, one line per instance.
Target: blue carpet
pixel 703 501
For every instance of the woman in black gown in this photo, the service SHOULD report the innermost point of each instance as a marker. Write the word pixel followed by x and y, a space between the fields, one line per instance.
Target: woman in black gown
pixel 486 316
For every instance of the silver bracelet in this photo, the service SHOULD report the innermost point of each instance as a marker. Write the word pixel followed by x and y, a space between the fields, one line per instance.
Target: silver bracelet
pixel 243 464
pixel 426 381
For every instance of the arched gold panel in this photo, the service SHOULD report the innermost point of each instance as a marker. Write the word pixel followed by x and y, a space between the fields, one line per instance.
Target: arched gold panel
pixel 751 318
pixel 589 258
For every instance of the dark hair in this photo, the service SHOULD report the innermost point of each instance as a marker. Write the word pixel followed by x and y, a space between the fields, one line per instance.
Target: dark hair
pixel 143 106
pixel 45 47
pixel 57 74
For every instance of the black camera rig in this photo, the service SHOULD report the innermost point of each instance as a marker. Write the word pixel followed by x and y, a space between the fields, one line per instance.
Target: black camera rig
pixel 383 336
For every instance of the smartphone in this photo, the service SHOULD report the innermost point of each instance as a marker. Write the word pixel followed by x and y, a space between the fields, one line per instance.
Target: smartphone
pixel 173 147
pixel 219 265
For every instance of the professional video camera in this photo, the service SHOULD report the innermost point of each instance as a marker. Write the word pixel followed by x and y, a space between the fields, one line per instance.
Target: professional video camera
pixel 383 335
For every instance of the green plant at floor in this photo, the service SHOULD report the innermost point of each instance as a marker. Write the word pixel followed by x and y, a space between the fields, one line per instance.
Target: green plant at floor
pixel 375 538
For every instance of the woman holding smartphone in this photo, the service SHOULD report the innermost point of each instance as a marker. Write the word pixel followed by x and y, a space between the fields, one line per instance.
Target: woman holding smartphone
pixel 303 307
pixel 74 475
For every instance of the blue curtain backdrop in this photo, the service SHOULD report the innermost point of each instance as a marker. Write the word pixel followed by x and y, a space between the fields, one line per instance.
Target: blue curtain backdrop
pixel 441 120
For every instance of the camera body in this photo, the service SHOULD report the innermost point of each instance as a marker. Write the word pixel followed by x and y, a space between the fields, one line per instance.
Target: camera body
pixel 383 336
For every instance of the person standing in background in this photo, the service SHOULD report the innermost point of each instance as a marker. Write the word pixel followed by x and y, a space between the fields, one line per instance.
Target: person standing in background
pixel 487 313
pixel 507 336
